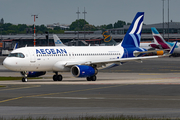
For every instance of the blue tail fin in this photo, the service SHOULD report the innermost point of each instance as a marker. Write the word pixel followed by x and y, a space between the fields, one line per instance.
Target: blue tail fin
pixel 15 46
pixel 133 35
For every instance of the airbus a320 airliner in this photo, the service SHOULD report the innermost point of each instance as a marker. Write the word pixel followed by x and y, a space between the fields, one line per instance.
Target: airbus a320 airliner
pixel 81 61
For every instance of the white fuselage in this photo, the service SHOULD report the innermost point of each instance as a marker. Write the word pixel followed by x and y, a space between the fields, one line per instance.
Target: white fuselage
pixel 56 58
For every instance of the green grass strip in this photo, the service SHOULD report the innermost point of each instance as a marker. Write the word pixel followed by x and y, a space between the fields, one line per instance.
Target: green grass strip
pixel 94 118
pixel 16 78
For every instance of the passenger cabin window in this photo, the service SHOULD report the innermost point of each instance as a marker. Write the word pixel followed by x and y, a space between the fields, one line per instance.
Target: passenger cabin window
pixel 20 55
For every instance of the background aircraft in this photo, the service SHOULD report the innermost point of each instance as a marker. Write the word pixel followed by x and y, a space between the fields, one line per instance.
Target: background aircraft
pixel 57 41
pixel 160 43
pixel 108 40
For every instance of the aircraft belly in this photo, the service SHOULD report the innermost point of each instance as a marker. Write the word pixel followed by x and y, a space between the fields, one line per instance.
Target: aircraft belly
pixel 36 66
pixel 43 66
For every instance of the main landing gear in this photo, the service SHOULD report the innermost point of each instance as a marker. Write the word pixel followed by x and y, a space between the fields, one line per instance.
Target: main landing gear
pixel 92 78
pixel 57 77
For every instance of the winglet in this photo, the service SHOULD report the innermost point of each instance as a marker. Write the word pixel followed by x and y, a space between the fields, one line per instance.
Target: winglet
pixel 172 49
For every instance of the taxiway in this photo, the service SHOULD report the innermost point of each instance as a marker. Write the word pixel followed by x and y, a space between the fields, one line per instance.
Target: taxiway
pixel 150 89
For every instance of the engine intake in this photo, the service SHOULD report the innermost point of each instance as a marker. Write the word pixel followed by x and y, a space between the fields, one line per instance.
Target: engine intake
pixel 83 71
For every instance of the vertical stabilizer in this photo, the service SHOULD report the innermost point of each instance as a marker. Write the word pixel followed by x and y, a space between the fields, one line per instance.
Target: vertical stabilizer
pixel 158 39
pixel 15 46
pixel 156 36
pixel 133 35
pixel 57 41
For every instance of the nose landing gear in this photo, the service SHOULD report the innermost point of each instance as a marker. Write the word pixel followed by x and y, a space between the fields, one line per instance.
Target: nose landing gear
pixel 24 73
pixel 24 79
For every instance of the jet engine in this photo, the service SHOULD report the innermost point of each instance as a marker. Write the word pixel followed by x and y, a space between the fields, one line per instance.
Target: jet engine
pixel 83 71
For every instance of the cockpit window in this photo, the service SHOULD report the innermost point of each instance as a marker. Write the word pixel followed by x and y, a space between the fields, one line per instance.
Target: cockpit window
pixel 20 55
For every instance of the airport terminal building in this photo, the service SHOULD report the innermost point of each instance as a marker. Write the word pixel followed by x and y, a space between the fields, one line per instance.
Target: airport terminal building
pixel 89 37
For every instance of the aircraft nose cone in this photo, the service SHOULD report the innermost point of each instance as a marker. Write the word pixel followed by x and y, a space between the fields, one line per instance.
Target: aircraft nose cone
pixel 7 63
pixel 4 62
pixel 10 64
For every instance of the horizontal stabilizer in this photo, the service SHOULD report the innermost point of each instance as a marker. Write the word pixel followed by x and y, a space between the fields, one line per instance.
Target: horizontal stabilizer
pixel 145 52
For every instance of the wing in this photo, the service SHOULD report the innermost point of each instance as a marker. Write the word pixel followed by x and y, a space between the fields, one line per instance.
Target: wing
pixel 104 62
pixel 100 62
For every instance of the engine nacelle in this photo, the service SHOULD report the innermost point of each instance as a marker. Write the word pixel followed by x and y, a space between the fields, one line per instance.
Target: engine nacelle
pixel 83 71
pixel 33 74
pixel 160 52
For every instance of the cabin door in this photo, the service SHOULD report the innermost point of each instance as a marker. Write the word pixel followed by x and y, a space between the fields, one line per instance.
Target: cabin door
pixel 32 56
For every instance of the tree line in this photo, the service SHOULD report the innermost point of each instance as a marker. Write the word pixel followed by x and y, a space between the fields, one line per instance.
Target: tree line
pixel 78 25
pixel 81 25
pixel 8 28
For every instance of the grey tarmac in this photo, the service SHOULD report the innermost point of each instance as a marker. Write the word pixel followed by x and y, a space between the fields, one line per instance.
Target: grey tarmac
pixel 150 89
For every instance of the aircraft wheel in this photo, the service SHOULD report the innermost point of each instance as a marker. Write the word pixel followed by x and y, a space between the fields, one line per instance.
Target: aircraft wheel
pixel 55 77
pixel 59 77
pixel 24 79
pixel 93 78
pixel 88 78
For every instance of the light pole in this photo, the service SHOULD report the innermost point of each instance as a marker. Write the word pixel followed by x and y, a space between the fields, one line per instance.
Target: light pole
pixel 78 21
pixel 84 21
pixel 168 20
pixel 35 16
pixel 163 18
pixel 1 42
pixel 1 33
